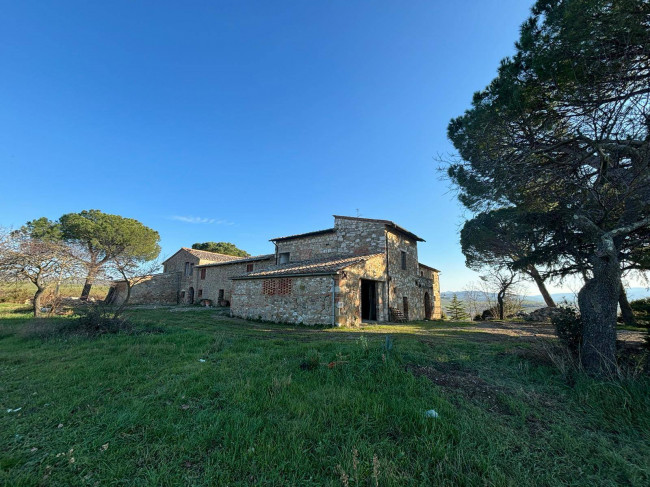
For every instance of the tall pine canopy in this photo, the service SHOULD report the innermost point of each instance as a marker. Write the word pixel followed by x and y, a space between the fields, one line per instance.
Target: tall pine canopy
pixel 563 133
pixel 104 237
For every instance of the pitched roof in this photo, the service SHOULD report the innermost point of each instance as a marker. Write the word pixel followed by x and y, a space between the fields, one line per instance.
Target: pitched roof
pixel 238 260
pixel 388 223
pixel 301 235
pixel 428 267
pixel 205 255
pixel 314 267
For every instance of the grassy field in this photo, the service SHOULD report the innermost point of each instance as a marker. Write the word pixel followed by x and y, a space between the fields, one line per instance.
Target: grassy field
pixel 24 291
pixel 219 401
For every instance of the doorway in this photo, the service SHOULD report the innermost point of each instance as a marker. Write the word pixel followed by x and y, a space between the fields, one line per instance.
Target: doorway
pixel 368 300
pixel 190 295
pixel 406 308
pixel 427 306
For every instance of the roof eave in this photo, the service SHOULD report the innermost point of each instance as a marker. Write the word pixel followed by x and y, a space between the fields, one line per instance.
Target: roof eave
pixel 278 276
pixel 236 261
pixel 303 235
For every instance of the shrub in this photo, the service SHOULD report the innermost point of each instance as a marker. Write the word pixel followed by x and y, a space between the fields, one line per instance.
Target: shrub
pixel 641 309
pixel 568 327
pixel 93 319
pixel 97 319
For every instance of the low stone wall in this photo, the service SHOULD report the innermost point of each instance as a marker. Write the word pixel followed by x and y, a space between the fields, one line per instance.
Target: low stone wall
pixel 155 289
pixel 298 300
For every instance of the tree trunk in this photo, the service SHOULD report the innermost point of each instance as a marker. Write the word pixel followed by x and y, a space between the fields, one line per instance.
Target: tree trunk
pixel 598 302
pixel 534 273
pixel 37 300
pixel 121 307
pixel 626 310
pixel 500 305
pixel 90 279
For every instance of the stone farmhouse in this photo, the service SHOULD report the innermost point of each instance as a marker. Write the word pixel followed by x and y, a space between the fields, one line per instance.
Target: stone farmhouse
pixel 362 269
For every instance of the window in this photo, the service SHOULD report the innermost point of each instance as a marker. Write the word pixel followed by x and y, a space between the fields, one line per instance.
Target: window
pixel 403 259
pixel 249 267
pixel 268 287
pixel 284 286
pixel 276 286
pixel 284 258
pixel 200 293
pixel 191 268
pixel 187 268
pixel 203 273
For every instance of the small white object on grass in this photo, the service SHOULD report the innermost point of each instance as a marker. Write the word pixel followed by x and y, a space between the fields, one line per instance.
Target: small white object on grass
pixel 431 413
pixel 13 410
pixel 201 360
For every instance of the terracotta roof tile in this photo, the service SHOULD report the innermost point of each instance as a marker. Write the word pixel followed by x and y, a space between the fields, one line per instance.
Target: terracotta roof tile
pixel 205 255
pixel 301 235
pixel 211 256
pixel 326 266
pixel 238 260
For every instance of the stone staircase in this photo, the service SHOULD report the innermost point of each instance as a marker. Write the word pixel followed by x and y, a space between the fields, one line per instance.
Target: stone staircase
pixel 397 316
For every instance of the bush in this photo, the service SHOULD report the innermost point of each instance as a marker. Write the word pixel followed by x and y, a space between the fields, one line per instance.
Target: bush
pixel 641 309
pixel 90 320
pixel 97 319
pixel 568 327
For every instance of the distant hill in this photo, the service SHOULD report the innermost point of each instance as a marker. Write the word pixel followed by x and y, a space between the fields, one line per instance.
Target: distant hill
pixel 537 301
pixel 632 294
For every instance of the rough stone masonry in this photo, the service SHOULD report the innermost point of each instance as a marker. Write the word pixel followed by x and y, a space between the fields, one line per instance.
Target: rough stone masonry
pixel 360 270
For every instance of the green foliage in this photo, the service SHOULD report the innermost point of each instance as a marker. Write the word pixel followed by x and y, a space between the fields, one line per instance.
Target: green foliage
pixel 456 309
pixel 641 309
pixel 107 236
pixel 226 248
pixel 562 135
pixel 43 229
pixel 548 117
pixel 504 236
pixel 568 327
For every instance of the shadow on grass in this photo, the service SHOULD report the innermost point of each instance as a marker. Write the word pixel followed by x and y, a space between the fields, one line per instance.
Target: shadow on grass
pixel 54 328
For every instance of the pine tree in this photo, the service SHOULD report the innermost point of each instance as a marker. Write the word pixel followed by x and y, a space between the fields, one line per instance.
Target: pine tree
pixel 456 309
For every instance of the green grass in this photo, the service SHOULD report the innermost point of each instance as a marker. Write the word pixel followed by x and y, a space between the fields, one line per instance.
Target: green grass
pixel 23 291
pixel 144 410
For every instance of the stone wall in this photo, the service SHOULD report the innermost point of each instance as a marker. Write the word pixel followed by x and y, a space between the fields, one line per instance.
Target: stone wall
pixel 348 291
pixel 219 276
pixel 404 283
pixel 176 263
pixel 434 283
pixel 309 247
pixel 300 300
pixel 358 237
pixel 437 306
pixel 350 237
pixel 155 289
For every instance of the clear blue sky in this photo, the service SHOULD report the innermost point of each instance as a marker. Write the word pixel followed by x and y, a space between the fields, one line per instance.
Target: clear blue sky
pixel 242 121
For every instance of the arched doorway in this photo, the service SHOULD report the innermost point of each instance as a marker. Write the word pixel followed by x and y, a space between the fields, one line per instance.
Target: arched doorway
pixel 190 296
pixel 427 306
